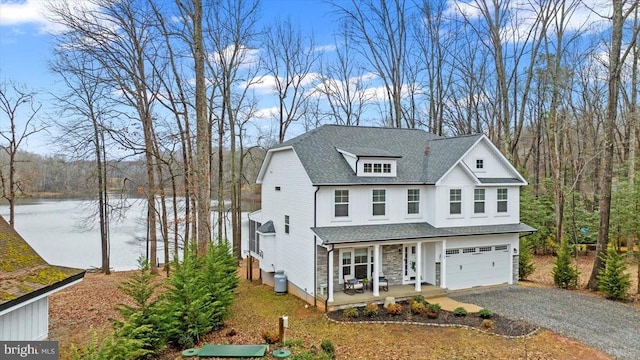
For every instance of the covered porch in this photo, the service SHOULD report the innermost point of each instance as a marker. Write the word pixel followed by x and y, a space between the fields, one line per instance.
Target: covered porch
pixel 343 300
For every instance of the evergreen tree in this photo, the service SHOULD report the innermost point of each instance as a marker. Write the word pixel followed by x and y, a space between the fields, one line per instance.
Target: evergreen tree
pixel 525 260
pixel 142 320
pixel 612 280
pixel 565 274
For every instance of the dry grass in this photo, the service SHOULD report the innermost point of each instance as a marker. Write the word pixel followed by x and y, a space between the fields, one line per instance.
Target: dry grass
pixel 90 304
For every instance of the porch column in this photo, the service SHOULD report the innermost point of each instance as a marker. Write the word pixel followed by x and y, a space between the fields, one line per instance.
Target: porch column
pixel 330 271
pixel 443 265
pixel 376 270
pixel 418 266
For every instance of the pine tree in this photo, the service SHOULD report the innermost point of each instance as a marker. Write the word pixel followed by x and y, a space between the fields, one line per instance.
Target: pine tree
pixel 565 274
pixel 612 280
pixel 525 260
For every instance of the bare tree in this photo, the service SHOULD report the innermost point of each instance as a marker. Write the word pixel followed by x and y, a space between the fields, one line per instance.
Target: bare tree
pixel 344 83
pixel 20 108
pixel 616 61
pixel 117 36
pixel 233 68
pixel 83 121
pixel 288 60
pixel 378 29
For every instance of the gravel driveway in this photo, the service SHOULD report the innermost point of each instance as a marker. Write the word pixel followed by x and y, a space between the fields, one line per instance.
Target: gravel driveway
pixel 602 324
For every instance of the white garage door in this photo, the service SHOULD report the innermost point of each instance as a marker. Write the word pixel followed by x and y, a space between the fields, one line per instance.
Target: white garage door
pixel 477 266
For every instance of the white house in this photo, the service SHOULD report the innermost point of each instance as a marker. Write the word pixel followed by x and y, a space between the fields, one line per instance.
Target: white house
pixel 26 281
pixel 419 208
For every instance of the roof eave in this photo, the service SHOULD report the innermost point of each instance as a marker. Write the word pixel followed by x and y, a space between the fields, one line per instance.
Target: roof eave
pixel 47 290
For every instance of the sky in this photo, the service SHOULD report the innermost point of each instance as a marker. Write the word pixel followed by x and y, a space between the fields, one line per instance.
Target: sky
pixel 26 40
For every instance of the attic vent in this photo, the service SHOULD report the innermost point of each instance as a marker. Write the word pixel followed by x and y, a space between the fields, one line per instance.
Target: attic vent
pixel 277 188
pixel 427 150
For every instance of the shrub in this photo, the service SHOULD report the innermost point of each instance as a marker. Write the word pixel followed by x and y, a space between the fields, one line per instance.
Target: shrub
pixel 350 313
pixel 420 299
pixel 417 307
pixel 434 307
pixel 370 310
pixel 485 314
pixel 525 260
pixel 488 324
pixel 612 280
pixel 460 311
pixel 328 348
pixel 112 347
pixel 565 274
pixel 394 309
pixel 143 320
pixel 270 337
pixel 200 292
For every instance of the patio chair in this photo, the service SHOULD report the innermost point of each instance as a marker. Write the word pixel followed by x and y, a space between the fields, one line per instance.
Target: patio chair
pixel 383 284
pixel 352 285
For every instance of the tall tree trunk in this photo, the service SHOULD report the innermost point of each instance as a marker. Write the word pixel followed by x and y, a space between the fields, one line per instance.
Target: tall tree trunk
pixel 615 66
pixel 203 140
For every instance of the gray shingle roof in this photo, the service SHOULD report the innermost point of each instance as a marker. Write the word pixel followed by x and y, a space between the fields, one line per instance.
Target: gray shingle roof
pixel 423 158
pixel 388 232
pixel 267 228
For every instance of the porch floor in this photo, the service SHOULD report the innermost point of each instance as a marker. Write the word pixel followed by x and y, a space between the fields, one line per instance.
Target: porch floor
pixel 342 300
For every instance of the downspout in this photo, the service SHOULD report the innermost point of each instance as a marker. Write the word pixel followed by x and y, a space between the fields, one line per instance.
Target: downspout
pixel 315 251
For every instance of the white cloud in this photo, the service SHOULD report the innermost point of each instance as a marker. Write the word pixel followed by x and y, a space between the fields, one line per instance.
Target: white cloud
pixel 246 56
pixel 266 113
pixel 35 12
pixel 325 48
pixel 466 8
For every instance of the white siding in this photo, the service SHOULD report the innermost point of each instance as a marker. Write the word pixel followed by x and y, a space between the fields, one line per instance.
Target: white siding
pixel 291 252
pixel 361 206
pixel 29 322
pixel 494 165
pixel 491 215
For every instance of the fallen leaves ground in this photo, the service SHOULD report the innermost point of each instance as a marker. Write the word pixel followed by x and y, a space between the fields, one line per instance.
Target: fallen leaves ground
pixel 76 311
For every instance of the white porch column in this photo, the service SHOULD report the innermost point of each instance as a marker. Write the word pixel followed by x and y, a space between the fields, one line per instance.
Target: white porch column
pixel 376 270
pixel 443 265
pixel 330 271
pixel 418 266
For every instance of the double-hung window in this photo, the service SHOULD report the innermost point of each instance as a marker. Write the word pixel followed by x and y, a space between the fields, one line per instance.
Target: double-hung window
pixel 379 202
pixel 286 224
pixel 478 201
pixel 502 200
pixel 413 201
pixel 341 203
pixel 455 201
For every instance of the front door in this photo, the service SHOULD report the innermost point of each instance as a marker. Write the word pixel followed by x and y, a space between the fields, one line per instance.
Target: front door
pixel 409 257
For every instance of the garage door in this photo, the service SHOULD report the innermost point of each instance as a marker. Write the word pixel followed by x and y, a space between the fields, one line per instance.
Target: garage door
pixel 477 266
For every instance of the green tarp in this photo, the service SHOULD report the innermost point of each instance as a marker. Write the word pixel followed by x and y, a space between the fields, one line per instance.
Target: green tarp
pixel 240 351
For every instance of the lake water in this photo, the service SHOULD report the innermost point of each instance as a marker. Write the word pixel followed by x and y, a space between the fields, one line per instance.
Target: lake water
pixel 54 229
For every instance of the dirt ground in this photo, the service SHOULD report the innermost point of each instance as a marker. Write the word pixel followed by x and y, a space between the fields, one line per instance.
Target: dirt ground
pixel 88 306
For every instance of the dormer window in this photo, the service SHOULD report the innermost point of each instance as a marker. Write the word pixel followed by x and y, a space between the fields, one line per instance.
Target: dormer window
pixel 377 167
